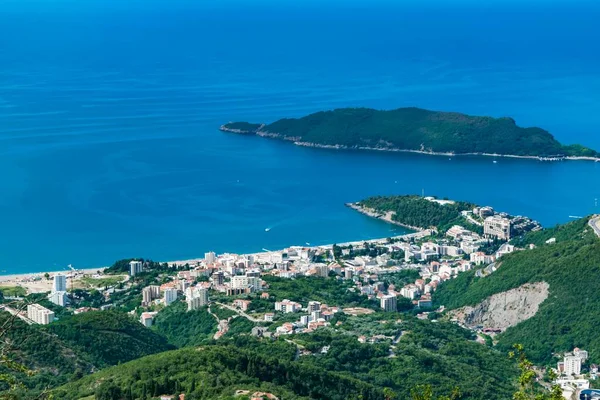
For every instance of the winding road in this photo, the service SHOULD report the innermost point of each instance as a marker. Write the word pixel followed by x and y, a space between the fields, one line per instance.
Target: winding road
pixel 595 224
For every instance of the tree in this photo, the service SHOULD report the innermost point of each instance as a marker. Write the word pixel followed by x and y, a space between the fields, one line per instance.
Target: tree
pixel 425 392
pixel 108 390
pixel 527 390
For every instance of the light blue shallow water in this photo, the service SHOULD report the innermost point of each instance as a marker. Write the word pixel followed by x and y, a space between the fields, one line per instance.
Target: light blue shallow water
pixel 109 112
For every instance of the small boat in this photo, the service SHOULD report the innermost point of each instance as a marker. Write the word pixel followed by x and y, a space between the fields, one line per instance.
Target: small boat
pixel 267 229
pixel 495 162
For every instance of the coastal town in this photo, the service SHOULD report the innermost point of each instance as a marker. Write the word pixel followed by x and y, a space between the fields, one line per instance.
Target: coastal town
pixel 241 284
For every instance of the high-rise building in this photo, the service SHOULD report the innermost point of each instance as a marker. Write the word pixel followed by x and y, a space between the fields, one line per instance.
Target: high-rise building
pixel 150 293
pixel 388 303
pixel 313 306
pixel 210 257
pixel 60 283
pixel 170 296
pixel 497 226
pixel 218 278
pixel 322 271
pixel 59 298
pixel 39 315
pixel 244 282
pixel 572 365
pixel 196 297
pixel 135 267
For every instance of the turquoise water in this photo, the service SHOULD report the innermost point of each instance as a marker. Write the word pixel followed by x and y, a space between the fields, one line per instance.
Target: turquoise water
pixel 109 112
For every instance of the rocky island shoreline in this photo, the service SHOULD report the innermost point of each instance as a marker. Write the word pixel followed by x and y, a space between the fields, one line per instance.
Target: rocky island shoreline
pixel 411 130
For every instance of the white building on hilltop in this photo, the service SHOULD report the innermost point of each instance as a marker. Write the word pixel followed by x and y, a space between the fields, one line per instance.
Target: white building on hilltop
pixel 135 267
pixel 39 315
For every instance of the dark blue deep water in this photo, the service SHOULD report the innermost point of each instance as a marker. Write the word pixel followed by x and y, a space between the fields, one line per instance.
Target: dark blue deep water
pixel 109 112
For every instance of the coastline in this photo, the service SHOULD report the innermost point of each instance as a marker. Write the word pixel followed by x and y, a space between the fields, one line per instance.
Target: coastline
pixel 387 217
pixel 35 275
pixel 28 277
pixel 297 142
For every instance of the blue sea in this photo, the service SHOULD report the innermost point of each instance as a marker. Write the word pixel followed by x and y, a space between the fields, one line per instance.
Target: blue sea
pixel 109 116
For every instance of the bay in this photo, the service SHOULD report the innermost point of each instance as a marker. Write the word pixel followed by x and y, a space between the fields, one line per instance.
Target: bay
pixel 109 116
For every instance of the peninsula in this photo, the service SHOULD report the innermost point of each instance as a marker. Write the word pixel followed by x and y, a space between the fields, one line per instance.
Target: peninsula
pixel 416 130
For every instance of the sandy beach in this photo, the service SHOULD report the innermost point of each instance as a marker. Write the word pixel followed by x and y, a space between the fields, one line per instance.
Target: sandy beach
pixel 37 282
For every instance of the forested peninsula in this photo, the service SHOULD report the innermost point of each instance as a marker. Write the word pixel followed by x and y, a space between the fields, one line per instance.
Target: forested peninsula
pixel 416 130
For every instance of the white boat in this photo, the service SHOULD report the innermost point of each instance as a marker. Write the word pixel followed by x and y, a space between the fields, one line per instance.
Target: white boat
pixel 267 229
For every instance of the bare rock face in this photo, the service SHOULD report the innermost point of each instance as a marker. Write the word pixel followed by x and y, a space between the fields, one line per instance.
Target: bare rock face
pixel 506 309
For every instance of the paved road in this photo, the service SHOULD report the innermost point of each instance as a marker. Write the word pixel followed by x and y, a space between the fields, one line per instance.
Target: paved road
pixel 595 224
pixel 17 313
pixel 240 312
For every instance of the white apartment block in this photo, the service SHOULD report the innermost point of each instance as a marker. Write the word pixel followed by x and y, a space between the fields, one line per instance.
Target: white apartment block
pixel 388 303
pixel 135 267
pixel 170 296
pixel 409 291
pixel 39 315
pixel 210 257
pixel 150 293
pixel 60 283
pixel 244 282
pixel 572 365
pixel 313 306
pixel 59 298
pixel 497 226
pixel 287 306
pixel 196 297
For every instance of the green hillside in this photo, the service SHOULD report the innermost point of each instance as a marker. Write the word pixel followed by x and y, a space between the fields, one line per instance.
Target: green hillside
pixel 439 354
pixel 569 317
pixel 108 337
pixel 417 129
pixel 75 346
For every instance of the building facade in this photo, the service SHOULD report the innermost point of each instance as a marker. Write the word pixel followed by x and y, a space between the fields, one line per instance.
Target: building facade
pixel 170 296
pixel 39 315
pixel 135 267
pixel 388 303
pixel 497 227
pixel 60 283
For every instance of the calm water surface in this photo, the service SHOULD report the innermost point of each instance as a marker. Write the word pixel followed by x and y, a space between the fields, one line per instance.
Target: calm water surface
pixel 109 112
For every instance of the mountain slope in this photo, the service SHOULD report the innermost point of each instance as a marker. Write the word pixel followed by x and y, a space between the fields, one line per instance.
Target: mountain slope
pixel 327 364
pixel 75 346
pixel 414 129
pixel 569 317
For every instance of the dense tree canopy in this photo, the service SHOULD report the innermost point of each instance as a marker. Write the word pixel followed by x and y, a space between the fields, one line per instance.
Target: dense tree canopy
pixel 418 129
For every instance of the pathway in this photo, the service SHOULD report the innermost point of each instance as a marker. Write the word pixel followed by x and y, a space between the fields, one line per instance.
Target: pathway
pixel 595 224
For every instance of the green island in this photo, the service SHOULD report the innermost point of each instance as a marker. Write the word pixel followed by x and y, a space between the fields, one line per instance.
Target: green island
pixel 416 130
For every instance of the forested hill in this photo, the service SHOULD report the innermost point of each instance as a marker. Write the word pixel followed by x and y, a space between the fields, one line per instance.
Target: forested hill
pixel 75 346
pixel 570 316
pixel 328 364
pixel 414 129
pixel 419 212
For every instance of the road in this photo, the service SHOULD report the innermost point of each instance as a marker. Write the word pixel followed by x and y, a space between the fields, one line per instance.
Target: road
pixel 17 313
pixel 595 224
pixel 240 312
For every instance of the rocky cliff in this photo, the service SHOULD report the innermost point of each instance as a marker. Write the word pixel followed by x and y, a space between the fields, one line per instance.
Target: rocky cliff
pixel 506 309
